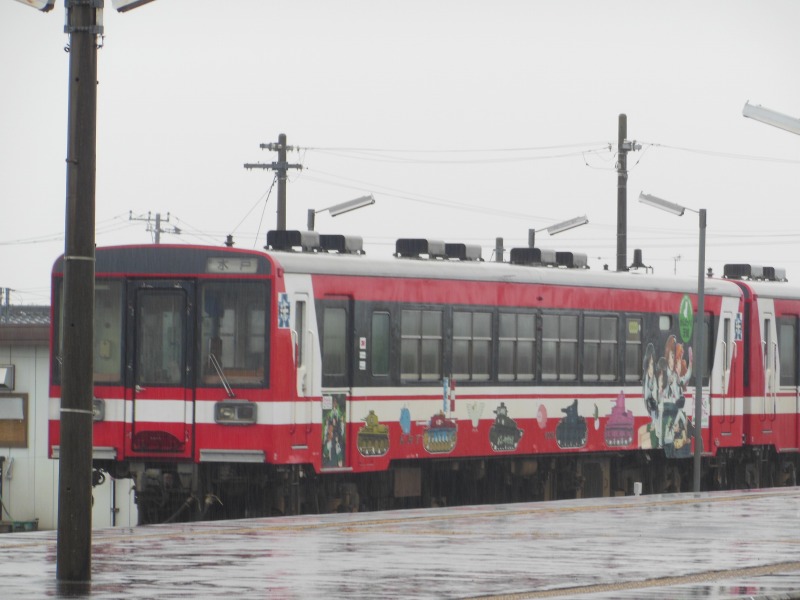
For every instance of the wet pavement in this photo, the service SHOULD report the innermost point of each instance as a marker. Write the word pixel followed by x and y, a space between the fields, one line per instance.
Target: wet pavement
pixel 709 545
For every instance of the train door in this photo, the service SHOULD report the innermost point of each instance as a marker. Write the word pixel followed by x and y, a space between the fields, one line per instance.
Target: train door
pixel 771 373
pixel 304 341
pixel 726 377
pixel 336 341
pixel 160 343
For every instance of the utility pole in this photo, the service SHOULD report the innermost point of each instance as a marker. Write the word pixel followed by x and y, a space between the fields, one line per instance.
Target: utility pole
pixel 623 147
pixel 157 229
pixel 280 168
pixel 74 553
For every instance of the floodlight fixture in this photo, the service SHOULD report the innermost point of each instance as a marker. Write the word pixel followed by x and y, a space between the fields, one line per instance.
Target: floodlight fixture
pixel 567 225
pixel 557 228
pixel 699 325
pixel 670 207
pixel 771 117
pixel 42 5
pixel 340 209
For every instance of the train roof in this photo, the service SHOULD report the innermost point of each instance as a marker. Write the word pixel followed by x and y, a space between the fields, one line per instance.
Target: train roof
pixel 773 289
pixel 320 263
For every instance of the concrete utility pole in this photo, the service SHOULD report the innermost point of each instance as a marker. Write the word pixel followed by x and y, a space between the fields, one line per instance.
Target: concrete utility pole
pixel 157 229
pixel 623 147
pixel 74 558
pixel 280 168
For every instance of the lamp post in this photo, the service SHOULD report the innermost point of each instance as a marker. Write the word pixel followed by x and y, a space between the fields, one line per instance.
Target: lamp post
pixel 557 228
pixel 771 117
pixel 677 209
pixel 339 209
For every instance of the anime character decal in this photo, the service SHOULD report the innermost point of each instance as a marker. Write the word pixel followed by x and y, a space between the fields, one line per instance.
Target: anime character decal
pixel 664 384
pixel 333 430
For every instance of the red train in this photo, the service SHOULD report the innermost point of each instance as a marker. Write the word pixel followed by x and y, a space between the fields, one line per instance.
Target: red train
pixel 312 378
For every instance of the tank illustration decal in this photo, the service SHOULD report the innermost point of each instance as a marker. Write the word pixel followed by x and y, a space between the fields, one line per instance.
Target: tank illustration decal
pixel 504 436
pixel 373 437
pixel 619 425
pixel 334 418
pixel 664 383
pixel 441 434
pixel 571 431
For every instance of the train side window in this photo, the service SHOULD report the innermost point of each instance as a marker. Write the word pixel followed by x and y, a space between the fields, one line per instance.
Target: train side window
pixel 233 326
pixel 665 323
pixel 591 348
pixel 787 349
pixel 300 328
pixel 568 348
pixel 633 350
pixel 599 348
pixel 560 347
pixel 472 345
pixel 549 347
pixel 334 341
pixel 421 345
pixel 709 360
pixel 108 314
pixel 516 347
pixel 379 357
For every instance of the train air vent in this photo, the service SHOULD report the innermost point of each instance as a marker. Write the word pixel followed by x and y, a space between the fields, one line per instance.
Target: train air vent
pixel 343 244
pixel 533 256
pixel 306 241
pixel 775 274
pixel 417 247
pixel 572 260
pixel 463 251
pixel 741 271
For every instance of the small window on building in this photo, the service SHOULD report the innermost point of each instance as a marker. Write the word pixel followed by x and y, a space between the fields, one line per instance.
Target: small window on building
pixel 13 420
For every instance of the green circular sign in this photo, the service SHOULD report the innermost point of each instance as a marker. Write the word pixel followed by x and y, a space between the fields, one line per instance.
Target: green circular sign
pixel 686 319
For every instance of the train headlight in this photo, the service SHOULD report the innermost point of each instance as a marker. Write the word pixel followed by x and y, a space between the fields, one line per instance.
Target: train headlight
pixel 235 412
pixel 98 409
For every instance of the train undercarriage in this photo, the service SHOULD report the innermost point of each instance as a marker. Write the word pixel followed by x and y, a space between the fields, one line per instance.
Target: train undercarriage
pixel 211 491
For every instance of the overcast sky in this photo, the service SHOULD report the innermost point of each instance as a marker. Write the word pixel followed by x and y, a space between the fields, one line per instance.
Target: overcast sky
pixel 467 120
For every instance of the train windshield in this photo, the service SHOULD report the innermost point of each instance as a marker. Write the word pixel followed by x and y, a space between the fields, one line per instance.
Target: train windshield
pixel 233 318
pixel 230 321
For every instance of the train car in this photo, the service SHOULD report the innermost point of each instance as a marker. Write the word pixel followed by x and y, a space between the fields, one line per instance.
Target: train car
pixel 310 377
pixel 771 417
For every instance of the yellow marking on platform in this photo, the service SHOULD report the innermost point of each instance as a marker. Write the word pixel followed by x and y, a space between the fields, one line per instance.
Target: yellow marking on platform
pixel 706 576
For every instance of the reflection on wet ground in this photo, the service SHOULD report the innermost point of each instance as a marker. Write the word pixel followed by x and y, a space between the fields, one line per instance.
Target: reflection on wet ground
pixel 709 545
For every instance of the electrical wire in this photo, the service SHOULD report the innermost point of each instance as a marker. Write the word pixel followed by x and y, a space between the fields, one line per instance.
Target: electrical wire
pixel 726 154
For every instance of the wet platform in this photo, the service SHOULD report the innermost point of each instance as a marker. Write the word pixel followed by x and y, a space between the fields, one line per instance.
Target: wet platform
pixel 708 545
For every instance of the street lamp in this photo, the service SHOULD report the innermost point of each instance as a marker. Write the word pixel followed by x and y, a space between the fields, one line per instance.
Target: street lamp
pixel 677 209
pixel 557 228
pixel 771 117
pixel 339 209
